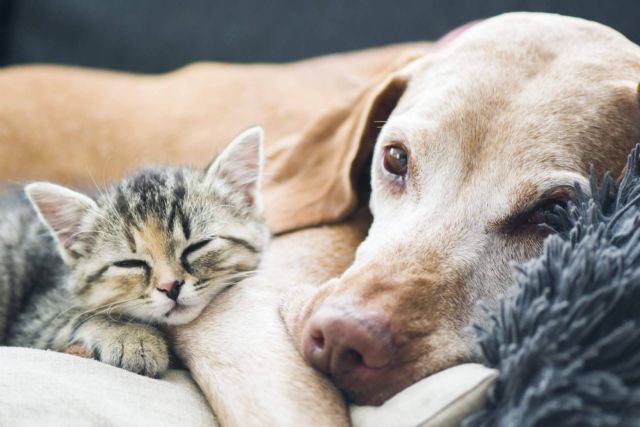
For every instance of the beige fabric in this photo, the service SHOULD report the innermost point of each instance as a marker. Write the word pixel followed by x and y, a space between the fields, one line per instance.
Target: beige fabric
pixel 54 389
pixel 44 388
pixel 441 400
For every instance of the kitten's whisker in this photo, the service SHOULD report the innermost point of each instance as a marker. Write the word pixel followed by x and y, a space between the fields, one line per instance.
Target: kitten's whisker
pixel 71 307
pixel 106 308
pixel 111 304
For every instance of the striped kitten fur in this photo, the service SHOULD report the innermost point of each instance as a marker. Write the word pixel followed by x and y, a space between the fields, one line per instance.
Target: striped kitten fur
pixel 154 249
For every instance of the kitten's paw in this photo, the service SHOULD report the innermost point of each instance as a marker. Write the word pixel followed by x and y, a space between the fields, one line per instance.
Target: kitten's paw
pixel 78 350
pixel 138 349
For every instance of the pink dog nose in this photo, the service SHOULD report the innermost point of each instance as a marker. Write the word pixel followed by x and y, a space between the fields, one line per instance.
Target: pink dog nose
pixel 171 288
pixel 345 343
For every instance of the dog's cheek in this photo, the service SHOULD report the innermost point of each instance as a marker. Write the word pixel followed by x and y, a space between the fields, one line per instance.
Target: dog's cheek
pixel 445 348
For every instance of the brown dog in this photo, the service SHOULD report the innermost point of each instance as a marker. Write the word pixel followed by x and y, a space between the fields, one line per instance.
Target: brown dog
pixel 491 133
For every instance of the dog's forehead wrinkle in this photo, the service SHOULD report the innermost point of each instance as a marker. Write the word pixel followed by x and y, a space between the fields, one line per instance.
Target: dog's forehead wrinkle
pixel 526 191
pixel 401 128
pixel 520 101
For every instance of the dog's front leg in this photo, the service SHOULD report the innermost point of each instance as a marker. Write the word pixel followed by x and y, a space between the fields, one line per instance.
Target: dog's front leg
pixel 244 362
pixel 240 353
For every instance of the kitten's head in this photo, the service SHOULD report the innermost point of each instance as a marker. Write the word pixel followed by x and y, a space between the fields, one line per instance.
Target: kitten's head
pixel 159 245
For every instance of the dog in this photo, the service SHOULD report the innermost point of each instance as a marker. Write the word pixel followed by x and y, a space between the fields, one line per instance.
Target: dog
pixel 490 133
pixel 484 137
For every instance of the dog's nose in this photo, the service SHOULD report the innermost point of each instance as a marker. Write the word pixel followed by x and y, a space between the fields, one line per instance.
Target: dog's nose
pixel 171 288
pixel 340 341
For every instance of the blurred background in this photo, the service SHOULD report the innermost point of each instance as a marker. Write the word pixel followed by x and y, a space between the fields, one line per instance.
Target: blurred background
pixel 160 35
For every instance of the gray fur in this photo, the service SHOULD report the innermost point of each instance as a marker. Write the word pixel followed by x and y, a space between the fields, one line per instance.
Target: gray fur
pixel 62 286
pixel 567 341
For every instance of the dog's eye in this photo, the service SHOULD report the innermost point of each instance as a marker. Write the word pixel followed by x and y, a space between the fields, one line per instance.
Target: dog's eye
pixel 544 218
pixel 395 160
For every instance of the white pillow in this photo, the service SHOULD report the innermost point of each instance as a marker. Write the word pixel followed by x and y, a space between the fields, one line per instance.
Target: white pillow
pixel 53 389
pixel 45 388
pixel 441 400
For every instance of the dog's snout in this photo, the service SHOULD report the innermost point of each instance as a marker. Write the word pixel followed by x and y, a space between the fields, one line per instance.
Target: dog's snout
pixel 341 344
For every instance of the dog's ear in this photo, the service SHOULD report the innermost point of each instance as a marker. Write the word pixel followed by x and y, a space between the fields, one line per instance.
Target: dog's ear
pixel 382 102
pixel 622 173
pixel 384 98
pixel 323 188
pixel 619 157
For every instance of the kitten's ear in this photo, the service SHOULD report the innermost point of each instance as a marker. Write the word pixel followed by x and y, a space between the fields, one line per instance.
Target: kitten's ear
pixel 61 209
pixel 240 165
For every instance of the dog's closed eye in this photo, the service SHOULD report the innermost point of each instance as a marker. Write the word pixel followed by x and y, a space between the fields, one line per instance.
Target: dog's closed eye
pixel 541 216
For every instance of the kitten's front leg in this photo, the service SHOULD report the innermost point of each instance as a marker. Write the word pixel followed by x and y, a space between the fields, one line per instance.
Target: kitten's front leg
pixel 135 347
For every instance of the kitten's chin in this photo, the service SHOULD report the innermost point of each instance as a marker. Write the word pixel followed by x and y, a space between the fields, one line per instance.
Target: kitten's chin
pixel 182 314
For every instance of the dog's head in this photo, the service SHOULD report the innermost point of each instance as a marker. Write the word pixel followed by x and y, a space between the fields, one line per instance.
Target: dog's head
pixel 491 132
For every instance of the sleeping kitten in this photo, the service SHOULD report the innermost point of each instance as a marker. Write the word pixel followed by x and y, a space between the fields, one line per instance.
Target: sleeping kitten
pixel 101 274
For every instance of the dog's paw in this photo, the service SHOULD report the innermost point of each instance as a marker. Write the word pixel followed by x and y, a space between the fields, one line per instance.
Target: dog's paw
pixel 136 348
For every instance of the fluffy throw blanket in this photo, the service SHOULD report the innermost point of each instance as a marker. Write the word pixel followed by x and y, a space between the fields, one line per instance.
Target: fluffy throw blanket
pixel 567 340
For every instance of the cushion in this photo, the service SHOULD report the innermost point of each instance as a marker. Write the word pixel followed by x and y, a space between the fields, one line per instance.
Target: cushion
pixel 40 388
pixel 443 399
pixel 47 388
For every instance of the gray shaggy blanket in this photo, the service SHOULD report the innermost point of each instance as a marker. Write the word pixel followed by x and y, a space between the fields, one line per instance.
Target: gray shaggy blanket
pixel 567 340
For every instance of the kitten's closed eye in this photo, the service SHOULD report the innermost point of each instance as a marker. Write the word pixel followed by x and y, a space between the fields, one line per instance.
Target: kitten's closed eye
pixel 194 247
pixel 131 263
pixel 184 258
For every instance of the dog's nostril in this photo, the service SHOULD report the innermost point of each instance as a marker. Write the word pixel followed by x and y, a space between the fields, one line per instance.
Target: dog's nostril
pixel 317 338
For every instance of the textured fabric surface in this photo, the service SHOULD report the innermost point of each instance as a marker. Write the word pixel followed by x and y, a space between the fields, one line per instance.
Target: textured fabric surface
pixel 57 390
pixel 44 388
pixel 567 341
pixel 441 400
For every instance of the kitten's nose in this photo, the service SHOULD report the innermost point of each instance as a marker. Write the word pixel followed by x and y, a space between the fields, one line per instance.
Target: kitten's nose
pixel 171 288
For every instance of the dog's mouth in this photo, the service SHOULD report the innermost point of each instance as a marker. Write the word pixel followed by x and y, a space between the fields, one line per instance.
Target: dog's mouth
pixel 362 358
pixel 368 353
pixel 369 386
pixel 372 387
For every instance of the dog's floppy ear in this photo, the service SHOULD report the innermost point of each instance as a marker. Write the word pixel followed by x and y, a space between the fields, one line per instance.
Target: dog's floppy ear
pixel 322 187
pixel 379 107
pixel 622 173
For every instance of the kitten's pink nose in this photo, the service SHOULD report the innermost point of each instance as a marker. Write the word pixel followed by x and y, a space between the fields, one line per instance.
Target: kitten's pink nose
pixel 171 288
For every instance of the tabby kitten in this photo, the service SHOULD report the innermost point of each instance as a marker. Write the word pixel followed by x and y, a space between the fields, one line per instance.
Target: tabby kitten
pixel 102 274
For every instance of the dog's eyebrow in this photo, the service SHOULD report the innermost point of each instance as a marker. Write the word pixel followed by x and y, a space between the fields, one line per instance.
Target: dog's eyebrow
pixel 396 130
pixel 558 184
pixel 558 187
